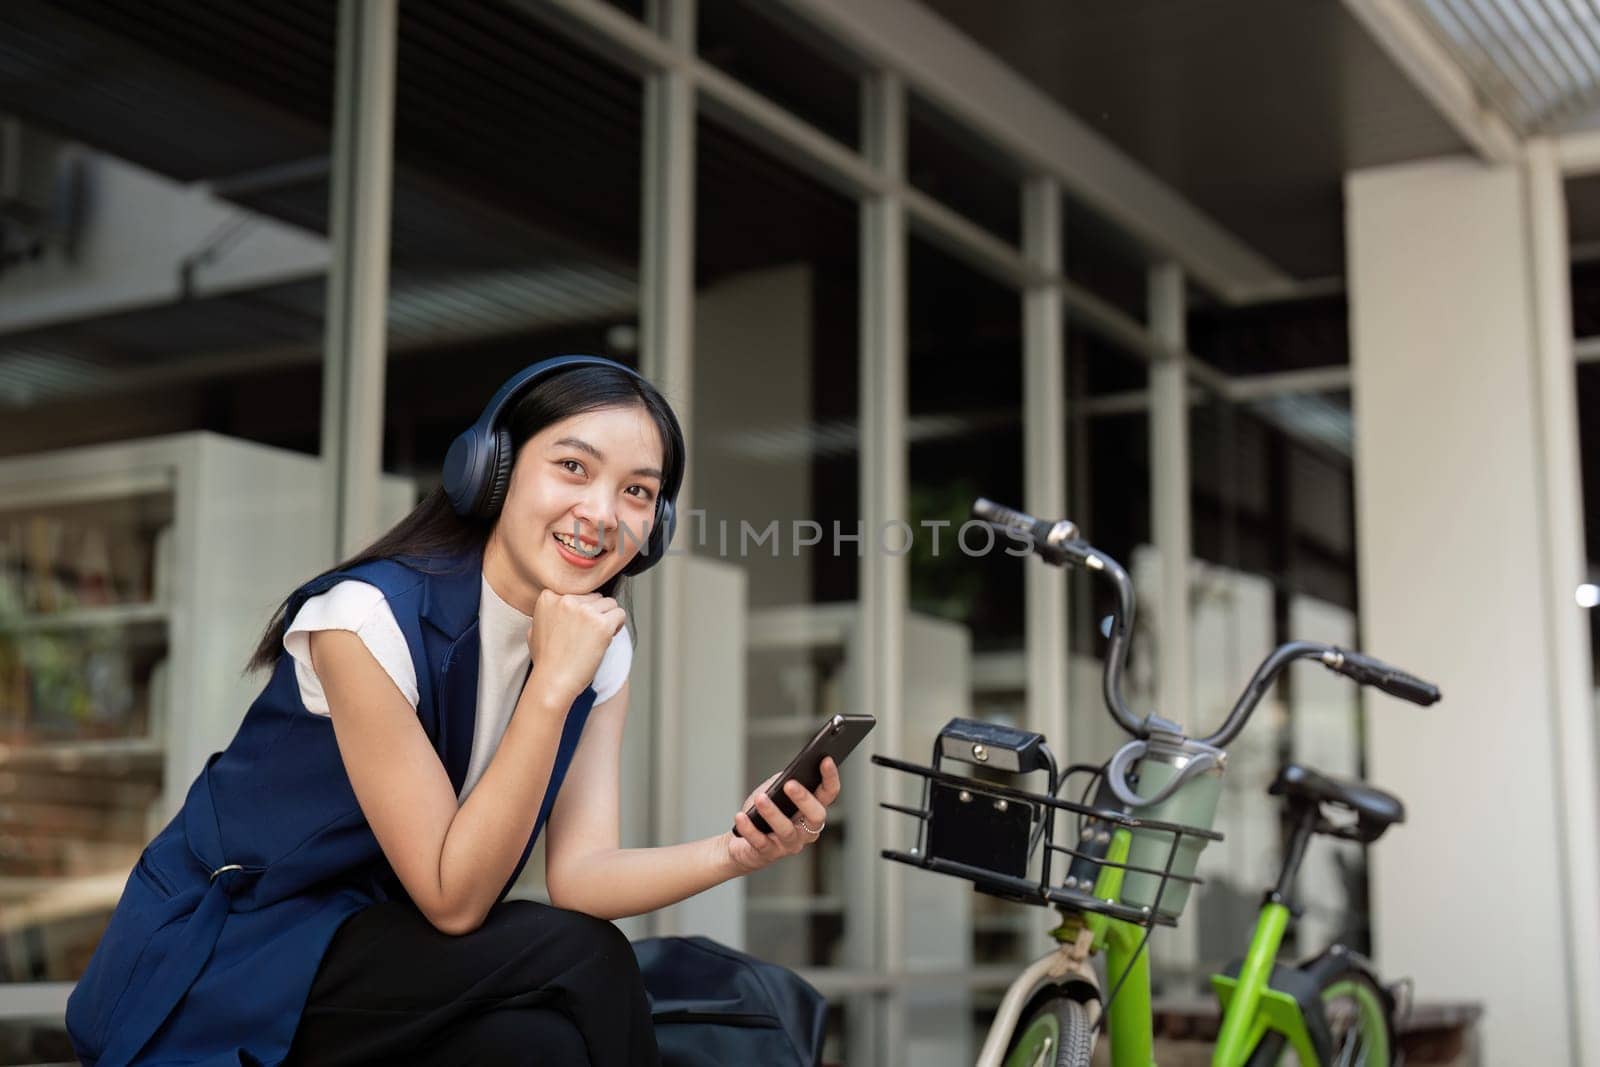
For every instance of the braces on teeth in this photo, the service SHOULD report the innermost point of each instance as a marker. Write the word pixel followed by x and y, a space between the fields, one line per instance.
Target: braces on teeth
pixel 578 547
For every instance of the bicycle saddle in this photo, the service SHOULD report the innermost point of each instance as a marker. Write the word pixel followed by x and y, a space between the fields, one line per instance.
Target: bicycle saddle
pixel 1376 809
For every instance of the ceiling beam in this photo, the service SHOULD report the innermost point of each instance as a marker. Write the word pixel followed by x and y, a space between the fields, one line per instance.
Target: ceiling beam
pixel 1579 153
pixel 1433 70
pixel 978 90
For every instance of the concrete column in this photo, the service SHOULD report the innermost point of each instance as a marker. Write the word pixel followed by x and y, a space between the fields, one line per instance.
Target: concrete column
pixel 1169 494
pixel 1045 462
pixel 885 579
pixel 1472 894
pixel 354 349
pixel 1565 568
pixel 666 320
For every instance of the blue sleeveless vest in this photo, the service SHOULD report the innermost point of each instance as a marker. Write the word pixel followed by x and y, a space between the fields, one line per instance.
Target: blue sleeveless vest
pixel 213 947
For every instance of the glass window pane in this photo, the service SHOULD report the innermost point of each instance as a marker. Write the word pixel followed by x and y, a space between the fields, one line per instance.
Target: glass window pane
pixel 785 59
pixel 1274 560
pixel 1270 338
pixel 516 220
pixel 518 164
pixel 776 449
pixel 506 247
pixel 84 685
pixel 955 166
pixel 1582 226
pixel 965 637
pixel 1589 449
pixel 1103 259
pixel 214 121
pixel 1108 494
pixel 965 386
pixel 161 271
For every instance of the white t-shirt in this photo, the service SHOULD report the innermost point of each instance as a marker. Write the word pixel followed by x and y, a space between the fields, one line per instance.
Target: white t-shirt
pixel 503 658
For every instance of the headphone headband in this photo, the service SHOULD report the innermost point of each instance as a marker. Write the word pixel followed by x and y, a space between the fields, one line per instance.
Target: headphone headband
pixel 477 469
pixel 528 376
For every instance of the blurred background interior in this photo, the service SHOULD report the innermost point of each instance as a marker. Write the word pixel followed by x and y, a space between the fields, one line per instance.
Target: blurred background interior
pixel 1132 263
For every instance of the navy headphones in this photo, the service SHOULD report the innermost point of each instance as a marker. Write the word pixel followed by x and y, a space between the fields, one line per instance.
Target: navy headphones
pixel 477 469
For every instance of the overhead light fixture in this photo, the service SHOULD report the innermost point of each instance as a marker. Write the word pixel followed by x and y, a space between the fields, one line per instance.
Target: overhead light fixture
pixel 1588 595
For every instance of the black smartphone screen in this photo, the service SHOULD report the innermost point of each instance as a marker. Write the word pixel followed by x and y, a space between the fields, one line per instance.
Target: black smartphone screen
pixel 837 737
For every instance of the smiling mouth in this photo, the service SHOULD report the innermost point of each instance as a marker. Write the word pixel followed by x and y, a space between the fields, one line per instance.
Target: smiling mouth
pixel 581 548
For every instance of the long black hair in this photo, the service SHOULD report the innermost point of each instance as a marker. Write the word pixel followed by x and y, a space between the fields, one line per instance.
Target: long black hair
pixel 433 534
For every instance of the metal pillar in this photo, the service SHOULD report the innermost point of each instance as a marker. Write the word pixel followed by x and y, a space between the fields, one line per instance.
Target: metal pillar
pixel 667 358
pixel 358 280
pixel 1169 490
pixel 884 591
pixel 1044 427
pixel 1045 457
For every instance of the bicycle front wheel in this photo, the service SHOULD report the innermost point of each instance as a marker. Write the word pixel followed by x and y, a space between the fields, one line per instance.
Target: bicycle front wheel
pixel 1358 1022
pixel 1059 1033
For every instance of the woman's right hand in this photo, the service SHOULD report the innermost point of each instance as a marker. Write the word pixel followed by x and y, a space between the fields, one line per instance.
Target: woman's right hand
pixel 568 637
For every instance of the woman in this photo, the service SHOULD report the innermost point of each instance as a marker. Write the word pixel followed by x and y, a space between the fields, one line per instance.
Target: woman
pixel 330 891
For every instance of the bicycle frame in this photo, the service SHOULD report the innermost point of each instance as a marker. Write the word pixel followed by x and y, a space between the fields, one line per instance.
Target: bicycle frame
pixel 1250 1007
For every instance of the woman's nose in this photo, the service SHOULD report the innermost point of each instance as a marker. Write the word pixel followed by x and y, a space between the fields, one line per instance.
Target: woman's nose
pixel 597 508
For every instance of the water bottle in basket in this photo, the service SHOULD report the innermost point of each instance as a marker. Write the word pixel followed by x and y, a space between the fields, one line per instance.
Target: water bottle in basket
pixel 1176 780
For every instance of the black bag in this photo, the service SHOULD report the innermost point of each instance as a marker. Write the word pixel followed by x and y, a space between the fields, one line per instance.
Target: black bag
pixel 717 1007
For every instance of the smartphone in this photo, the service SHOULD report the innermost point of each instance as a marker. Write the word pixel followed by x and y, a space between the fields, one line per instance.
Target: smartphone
pixel 837 738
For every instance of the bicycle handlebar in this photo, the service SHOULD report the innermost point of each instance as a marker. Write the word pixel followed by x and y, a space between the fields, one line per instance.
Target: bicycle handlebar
pixel 1364 670
pixel 1374 672
pixel 1054 542
pixel 1059 543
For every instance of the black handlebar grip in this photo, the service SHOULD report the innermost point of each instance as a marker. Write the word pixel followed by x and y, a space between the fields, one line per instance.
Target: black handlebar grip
pixel 989 511
pixel 1056 550
pixel 1036 530
pixel 1392 680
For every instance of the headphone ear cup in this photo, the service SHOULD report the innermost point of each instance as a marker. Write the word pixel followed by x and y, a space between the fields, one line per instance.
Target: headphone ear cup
pixel 458 477
pixel 499 476
pixel 666 525
pixel 656 546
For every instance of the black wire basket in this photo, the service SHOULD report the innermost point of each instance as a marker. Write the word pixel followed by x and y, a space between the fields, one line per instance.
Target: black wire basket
pixel 987 832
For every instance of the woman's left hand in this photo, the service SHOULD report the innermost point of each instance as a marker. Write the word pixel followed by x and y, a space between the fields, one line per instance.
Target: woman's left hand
pixel 752 850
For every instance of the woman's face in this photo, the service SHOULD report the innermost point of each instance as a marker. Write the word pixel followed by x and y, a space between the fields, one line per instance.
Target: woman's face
pixel 581 501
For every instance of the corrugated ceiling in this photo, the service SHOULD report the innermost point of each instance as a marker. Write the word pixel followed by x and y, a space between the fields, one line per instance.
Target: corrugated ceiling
pixel 1537 62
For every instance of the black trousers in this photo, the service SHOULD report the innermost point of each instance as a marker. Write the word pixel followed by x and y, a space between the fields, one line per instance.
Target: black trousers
pixel 533 985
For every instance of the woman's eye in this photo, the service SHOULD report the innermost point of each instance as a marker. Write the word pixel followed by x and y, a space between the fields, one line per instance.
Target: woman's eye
pixel 572 466
pixel 643 492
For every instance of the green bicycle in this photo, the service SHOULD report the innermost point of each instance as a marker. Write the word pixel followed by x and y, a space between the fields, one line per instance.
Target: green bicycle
pixel 1132 862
